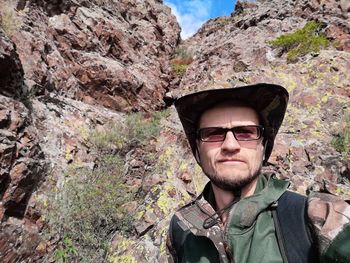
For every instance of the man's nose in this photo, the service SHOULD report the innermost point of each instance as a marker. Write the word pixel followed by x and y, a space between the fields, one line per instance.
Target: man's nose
pixel 230 143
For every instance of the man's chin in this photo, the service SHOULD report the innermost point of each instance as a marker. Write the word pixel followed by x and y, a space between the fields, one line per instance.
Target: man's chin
pixel 229 184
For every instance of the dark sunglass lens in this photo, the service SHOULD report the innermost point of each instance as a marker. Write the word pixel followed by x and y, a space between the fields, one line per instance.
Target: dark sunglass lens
pixel 212 134
pixel 246 133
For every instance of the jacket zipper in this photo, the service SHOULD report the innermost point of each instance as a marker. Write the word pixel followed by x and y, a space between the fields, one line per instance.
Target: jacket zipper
pixel 229 250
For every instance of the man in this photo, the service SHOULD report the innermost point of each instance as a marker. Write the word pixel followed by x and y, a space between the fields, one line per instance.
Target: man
pixel 242 215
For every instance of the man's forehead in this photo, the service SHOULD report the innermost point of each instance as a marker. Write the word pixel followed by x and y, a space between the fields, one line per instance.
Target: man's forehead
pixel 221 106
pixel 229 106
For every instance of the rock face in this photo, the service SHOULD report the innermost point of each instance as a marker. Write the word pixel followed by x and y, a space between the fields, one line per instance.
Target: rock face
pixel 11 72
pixel 74 66
pixel 23 165
pixel 66 69
pixel 115 55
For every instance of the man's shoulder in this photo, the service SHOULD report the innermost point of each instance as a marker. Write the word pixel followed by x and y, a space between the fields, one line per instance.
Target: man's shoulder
pixel 193 214
pixel 330 218
pixel 179 218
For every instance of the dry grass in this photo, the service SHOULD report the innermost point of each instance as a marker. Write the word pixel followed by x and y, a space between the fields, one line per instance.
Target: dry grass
pixel 10 19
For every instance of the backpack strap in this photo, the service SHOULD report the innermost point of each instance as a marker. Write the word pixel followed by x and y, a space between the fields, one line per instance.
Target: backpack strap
pixel 292 228
pixel 187 235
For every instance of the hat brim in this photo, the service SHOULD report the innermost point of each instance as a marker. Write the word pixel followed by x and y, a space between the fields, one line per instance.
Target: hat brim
pixel 269 101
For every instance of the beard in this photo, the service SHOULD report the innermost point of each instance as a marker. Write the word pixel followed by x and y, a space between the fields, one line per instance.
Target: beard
pixel 233 184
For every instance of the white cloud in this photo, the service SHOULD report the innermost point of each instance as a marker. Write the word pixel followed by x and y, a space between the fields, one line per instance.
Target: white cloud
pixel 191 14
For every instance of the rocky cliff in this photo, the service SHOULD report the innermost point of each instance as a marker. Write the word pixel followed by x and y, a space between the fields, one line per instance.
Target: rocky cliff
pixel 71 74
pixel 67 67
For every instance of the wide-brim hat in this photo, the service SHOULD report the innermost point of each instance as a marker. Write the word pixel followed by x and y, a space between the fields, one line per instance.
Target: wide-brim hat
pixel 269 101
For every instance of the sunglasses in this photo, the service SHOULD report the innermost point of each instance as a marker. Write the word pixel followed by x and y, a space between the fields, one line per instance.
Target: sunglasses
pixel 241 133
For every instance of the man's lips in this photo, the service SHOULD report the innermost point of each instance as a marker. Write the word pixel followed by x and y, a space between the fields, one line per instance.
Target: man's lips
pixel 230 160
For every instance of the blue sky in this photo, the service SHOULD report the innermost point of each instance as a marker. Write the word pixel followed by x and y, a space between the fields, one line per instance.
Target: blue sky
pixel 191 14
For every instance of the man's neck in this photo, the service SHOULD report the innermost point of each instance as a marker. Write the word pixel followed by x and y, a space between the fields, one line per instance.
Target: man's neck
pixel 224 198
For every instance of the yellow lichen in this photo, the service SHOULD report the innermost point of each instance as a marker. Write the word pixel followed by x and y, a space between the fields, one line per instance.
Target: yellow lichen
pixel 169 173
pixel 199 179
pixel 335 78
pixel 164 202
pixel 342 100
pixel 140 214
pixel 125 244
pixel 165 157
pixel 68 153
pixel 289 83
pixel 316 133
pixel 122 259
pixel 84 132
pixel 317 123
pixel 325 97
pixel 162 248
pixel 183 166
pixel 168 187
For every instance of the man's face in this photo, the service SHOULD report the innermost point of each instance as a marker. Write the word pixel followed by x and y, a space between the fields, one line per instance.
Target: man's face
pixel 230 164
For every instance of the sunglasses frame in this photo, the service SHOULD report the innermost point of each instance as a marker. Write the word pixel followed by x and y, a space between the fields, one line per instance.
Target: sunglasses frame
pixel 260 130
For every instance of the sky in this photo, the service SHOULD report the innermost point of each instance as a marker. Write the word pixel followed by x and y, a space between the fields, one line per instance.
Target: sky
pixel 191 14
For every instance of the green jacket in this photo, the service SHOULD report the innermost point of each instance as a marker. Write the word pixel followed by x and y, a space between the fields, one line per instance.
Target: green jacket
pixel 250 234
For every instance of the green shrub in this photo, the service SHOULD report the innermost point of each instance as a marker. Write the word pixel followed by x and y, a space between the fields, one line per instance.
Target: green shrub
pixel 303 41
pixel 143 129
pixel 115 136
pixel 223 20
pixel 341 141
pixel 179 69
pixel 112 136
pixel 66 248
pixel 181 60
pixel 89 210
pixel 182 53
